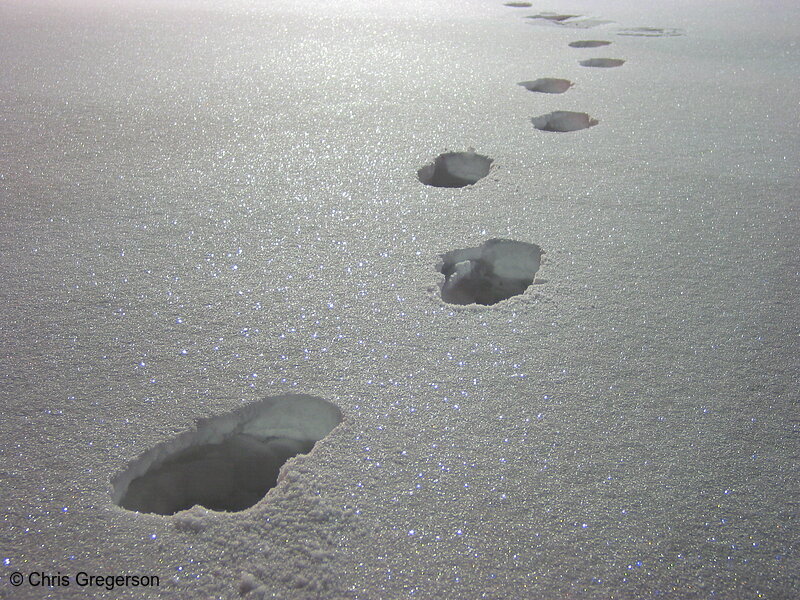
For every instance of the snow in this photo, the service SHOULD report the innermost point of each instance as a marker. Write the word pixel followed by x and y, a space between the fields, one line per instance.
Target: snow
pixel 207 204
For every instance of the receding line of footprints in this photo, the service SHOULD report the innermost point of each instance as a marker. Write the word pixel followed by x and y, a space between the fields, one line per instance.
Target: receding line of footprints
pixel 563 121
pixel 499 269
pixel 228 463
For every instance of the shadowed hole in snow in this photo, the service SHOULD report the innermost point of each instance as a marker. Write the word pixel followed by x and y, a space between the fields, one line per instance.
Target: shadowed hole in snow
pixel 563 121
pixel 589 44
pixel 552 17
pixel 518 4
pixel 229 462
pixel 572 21
pixel 494 271
pixel 604 63
pixel 455 169
pixel 547 85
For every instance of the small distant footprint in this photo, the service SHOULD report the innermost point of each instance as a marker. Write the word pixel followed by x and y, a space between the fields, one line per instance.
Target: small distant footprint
pixel 651 31
pixel 547 85
pixel 572 21
pixel 604 63
pixel 563 121
pixel 518 4
pixel 494 271
pixel 589 43
pixel 553 17
pixel 455 169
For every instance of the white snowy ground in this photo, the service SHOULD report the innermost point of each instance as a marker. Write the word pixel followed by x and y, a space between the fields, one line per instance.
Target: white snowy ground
pixel 204 204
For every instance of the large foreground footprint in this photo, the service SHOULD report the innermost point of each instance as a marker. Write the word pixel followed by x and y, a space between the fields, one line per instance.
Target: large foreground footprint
pixel 229 462
pixel 494 271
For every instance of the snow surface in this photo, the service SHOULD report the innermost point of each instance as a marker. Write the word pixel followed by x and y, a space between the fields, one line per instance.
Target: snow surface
pixel 205 204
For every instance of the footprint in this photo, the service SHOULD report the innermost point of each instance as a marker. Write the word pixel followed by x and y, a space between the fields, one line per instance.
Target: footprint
pixel 229 462
pixel 554 17
pixel 589 44
pixel 455 169
pixel 652 31
pixel 572 21
pixel 518 4
pixel 547 85
pixel 494 271
pixel 605 63
pixel 563 121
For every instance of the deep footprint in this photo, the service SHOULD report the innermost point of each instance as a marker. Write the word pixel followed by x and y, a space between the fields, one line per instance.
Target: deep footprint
pixel 604 63
pixel 229 462
pixel 455 169
pixel 589 44
pixel 494 271
pixel 547 85
pixel 563 121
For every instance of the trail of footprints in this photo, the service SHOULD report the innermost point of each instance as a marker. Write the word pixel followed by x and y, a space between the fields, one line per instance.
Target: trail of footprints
pixel 230 462
pixel 500 269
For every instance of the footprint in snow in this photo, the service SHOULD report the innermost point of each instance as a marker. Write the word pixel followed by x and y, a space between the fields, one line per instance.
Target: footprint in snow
pixel 563 121
pixel 570 21
pixel 589 44
pixel 603 63
pixel 554 17
pixel 455 169
pixel 229 462
pixel 547 85
pixel 494 271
